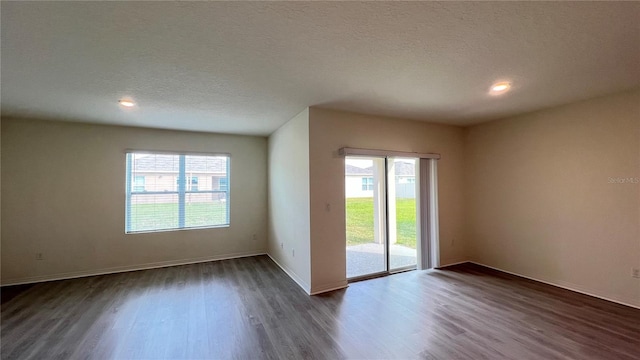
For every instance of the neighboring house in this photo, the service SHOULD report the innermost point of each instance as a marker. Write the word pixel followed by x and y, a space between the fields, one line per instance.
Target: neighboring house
pixel 159 173
pixel 359 182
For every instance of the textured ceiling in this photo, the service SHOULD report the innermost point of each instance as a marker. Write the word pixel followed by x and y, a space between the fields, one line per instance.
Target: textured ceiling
pixel 248 67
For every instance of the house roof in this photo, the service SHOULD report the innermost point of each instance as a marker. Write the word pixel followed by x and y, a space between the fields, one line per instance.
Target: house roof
pixel 405 168
pixel 354 170
pixel 402 169
pixel 170 163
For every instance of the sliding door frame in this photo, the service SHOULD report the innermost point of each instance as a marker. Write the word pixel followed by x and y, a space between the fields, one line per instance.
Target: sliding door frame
pixel 427 248
pixel 385 221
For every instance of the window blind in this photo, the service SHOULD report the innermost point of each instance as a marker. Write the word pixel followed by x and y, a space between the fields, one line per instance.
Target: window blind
pixel 176 191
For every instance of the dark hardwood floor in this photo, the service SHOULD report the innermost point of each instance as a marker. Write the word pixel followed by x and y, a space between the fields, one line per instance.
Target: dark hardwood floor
pixel 248 309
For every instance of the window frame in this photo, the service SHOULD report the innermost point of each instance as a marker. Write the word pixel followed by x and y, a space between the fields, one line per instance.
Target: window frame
pixel 181 191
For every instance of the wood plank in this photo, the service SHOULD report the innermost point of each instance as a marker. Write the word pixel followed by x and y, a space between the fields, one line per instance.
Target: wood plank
pixel 248 308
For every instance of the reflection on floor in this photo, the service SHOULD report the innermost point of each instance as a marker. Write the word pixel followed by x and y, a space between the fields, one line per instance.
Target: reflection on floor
pixel 250 309
pixel 368 258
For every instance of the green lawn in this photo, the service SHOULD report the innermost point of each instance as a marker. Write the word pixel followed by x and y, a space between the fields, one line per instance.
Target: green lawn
pixel 359 218
pixel 360 221
pixel 165 216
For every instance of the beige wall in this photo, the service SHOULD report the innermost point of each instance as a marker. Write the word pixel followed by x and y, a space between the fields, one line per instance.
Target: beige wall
pixel 331 130
pixel 537 195
pixel 288 242
pixel 540 202
pixel 63 194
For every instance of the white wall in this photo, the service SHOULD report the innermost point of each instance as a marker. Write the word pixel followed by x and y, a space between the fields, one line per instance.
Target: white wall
pixel 329 131
pixel 540 202
pixel 63 194
pixel 353 187
pixel 289 218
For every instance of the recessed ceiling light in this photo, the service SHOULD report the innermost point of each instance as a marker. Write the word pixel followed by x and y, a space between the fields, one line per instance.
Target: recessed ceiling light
pixel 127 102
pixel 500 87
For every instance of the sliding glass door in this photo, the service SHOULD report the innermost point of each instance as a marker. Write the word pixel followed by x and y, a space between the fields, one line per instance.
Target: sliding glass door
pixel 402 210
pixel 381 221
pixel 366 221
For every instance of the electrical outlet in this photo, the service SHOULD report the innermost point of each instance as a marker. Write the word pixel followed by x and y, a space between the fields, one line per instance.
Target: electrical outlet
pixel 293 252
pixel 635 272
pixel 281 245
pixel 39 256
pixel 255 237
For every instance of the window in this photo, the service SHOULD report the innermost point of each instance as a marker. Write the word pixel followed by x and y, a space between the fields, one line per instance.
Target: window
pixel 222 184
pixel 367 183
pixel 138 183
pixel 172 191
pixel 192 183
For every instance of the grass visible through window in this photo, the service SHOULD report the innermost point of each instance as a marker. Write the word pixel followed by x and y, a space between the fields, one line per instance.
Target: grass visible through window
pixel 360 221
pixel 165 216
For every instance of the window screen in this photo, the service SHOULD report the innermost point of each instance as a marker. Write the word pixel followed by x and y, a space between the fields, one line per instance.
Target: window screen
pixel 176 191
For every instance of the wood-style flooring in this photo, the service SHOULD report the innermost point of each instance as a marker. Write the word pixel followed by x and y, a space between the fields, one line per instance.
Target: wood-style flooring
pixel 249 309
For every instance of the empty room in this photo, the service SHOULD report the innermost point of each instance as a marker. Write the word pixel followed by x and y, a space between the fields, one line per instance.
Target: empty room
pixel 320 180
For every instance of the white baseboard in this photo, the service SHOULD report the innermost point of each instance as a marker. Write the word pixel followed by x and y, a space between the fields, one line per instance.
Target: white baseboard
pixel 304 286
pixel 119 269
pixel 453 264
pixel 292 275
pixel 558 285
pixel 330 287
